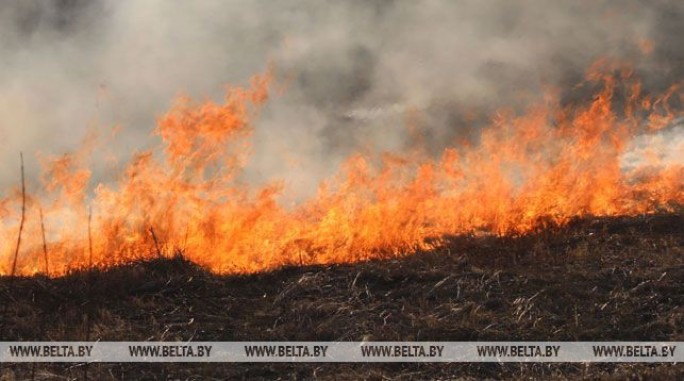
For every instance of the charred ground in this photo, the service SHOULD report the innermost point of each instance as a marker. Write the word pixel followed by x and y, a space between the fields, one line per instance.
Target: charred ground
pixel 595 279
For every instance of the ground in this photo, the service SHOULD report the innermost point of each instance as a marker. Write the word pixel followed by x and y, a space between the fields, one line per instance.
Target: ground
pixel 618 278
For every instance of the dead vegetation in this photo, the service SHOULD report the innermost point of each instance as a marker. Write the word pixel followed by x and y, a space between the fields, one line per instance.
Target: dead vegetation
pixel 596 279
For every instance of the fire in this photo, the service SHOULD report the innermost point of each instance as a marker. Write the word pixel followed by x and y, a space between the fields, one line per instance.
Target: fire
pixel 526 172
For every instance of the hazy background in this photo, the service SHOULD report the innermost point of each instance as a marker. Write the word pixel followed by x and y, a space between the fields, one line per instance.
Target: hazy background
pixel 356 68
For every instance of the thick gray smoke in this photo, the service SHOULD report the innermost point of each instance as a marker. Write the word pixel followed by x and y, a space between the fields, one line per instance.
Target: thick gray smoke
pixel 356 69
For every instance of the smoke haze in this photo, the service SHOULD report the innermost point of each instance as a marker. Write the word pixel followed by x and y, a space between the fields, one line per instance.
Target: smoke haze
pixel 353 70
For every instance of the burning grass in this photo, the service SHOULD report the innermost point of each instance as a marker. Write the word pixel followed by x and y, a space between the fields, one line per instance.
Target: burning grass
pixel 526 171
pixel 614 278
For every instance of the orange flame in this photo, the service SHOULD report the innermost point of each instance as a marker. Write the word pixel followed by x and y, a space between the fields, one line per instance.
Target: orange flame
pixel 527 171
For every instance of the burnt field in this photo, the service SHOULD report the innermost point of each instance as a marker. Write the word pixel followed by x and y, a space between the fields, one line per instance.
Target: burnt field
pixel 603 279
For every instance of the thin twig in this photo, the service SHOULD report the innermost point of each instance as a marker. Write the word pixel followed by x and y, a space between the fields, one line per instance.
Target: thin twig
pixel 90 238
pixel 23 215
pixel 185 242
pixel 45 252
pixel 156 243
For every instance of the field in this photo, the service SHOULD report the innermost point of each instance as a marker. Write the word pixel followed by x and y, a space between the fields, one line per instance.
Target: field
pixel 596 279
pixel 342 172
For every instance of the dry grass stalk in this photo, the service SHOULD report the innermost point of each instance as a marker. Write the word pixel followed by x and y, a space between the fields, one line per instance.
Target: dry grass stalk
pixel 23 216
pixel 156 242
pixel 45 252
pixel 90 237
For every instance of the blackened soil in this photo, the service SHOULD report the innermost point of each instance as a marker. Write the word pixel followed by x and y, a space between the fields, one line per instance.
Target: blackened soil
pixel 595 279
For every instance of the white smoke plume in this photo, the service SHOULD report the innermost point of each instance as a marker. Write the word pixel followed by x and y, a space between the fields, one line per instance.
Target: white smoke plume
pixel 353 69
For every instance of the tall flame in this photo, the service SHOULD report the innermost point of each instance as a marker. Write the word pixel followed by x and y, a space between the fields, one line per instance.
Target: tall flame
pixel 528 171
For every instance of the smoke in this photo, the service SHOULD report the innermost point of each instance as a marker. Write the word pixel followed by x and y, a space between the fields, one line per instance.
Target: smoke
pixel 355 71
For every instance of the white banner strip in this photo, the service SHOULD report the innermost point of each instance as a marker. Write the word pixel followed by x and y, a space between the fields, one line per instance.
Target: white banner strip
pixel 408 351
